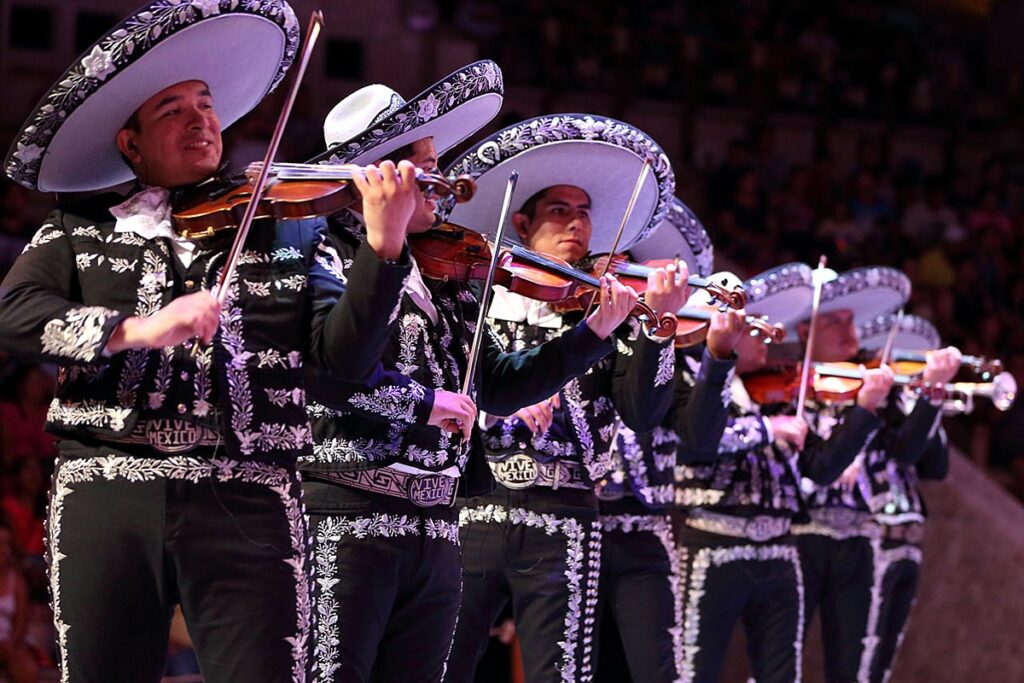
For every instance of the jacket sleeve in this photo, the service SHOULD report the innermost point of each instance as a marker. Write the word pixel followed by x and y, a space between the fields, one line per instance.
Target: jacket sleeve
pixel 823 460
pixel 388 396
pixel 934 462
pixel 42 314
pixel 701 416
pixel 512 380
pixel 642 373
pixel 352 310
pixel 915 434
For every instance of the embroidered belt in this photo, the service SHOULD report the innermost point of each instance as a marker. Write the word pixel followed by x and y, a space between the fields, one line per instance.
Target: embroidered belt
pixel 521 471
pixel 839 523
pixel 903 533
pixel 424 490
pixel 757 528
pixel 170 435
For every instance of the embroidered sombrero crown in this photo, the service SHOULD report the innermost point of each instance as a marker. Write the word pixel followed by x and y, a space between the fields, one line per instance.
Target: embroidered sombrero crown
pixel 600 155
pixel 914 334
pixel 867 292
pixel 375 120
pixel 782 293
pixel 680 235
pixel 241 49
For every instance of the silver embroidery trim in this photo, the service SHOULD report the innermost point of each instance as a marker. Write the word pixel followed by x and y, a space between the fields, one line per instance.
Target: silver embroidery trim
pixel 661 527
pixel 78 334
pixel 579 607
pixel 705 559
pixel 666 365
pixel 882 560
pixel 280 480
pixel 328 535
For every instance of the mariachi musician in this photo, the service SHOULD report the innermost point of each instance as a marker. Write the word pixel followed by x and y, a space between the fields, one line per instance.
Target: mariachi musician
pixel 640 590
pixel 535 542
pixel 390 454
pixel 176 477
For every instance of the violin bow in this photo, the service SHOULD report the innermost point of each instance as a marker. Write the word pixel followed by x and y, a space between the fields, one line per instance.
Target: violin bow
pixel 805 371
pixel 890 342
pixel 316 23
pixel 622 226
pixel 487 294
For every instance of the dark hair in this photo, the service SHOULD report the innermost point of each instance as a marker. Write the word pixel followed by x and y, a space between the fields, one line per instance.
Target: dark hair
pixel 133 125
pixel 530 205
pixel 400 154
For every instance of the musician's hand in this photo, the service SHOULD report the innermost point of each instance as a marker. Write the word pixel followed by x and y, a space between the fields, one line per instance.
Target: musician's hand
pixel 453 413
pixel 877 383
pixel 616 303
pixel 789 429
pixel 667 289
pixel 187 317
pixel 940 366
pixel 539 416
pixel 725 332
pixel 390 196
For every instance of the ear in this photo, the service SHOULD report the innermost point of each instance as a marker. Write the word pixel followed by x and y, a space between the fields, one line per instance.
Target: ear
pixel 126 145
pixel 521 223
pixel 803 330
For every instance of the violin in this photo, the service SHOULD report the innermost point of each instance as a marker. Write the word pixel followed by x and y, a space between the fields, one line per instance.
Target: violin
pixel 724 287
pixel 907 362
pixel 452 252
pixel 839 382
pixel 694 321
pixel 294 191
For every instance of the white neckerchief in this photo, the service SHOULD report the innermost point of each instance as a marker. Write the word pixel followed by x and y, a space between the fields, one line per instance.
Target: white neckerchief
pixel 148 214
pixel 506 305
pixel 415 287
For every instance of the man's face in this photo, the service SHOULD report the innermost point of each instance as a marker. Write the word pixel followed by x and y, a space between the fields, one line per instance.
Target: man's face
pixel 836 336
pixel 424 157
pixel 752 354
pixel 561 224
pixel 178 138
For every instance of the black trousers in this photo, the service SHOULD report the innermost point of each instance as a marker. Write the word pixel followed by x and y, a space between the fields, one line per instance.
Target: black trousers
pixel 388 585
pixel 641 592
pixel 129 537
pixel 539 549
pixel 839 580
pixel 734 579
pixel 898 570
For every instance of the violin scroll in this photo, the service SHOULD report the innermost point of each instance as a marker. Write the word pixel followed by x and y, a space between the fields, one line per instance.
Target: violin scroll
pixel 734 297
pixel 772 334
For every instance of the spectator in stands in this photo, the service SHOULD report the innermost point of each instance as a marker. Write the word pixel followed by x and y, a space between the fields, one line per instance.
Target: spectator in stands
pixel 989 213
pixel 22 418
pixel 931 220
pixel 16 228
pixel 15 657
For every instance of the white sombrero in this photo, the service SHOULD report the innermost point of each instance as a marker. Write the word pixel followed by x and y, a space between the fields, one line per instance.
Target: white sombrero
pixel 914 334
pixel 868 292
pixel 375 120
pixel 240 50
pixel 599 155
pixel 783 294
pixel 681 236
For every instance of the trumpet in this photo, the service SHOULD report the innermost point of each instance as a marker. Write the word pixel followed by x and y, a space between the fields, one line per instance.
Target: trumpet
pixel 1001 390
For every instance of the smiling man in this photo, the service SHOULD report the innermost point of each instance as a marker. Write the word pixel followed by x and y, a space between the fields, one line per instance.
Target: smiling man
pixel 176 479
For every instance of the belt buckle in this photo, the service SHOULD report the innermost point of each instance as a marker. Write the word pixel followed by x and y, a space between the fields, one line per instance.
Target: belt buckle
pixel 429 490
pixel 171 435
pixel 518 471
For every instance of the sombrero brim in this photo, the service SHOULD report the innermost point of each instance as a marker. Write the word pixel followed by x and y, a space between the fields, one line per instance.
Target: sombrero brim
pixel 68 143
pixel 783 294
pixel 449 111
pixel 915 333
pixel 866 292
pixel 681 235
pixel 601 156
